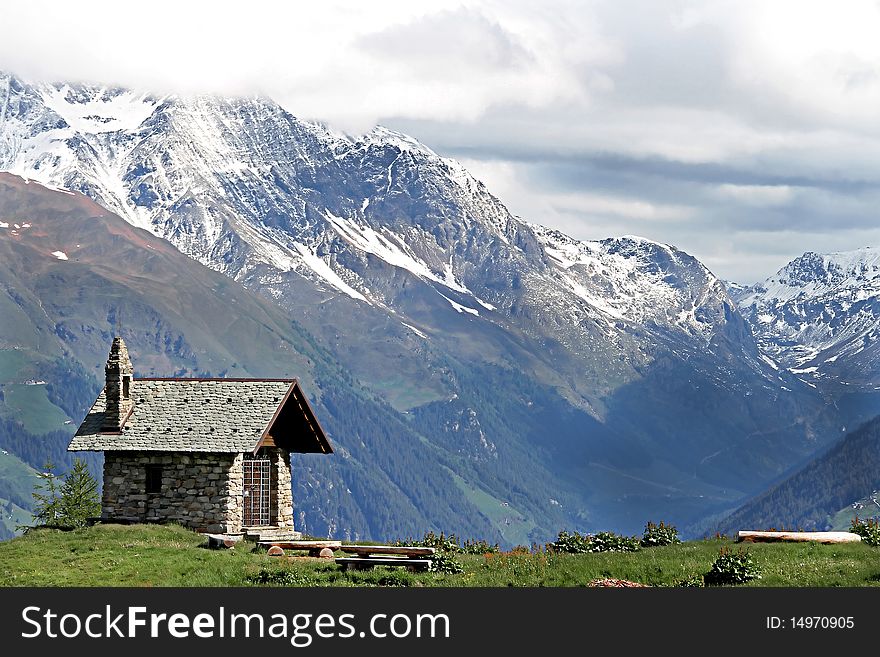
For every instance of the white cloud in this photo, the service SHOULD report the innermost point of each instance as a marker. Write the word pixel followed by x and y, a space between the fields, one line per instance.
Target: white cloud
pixel 700 120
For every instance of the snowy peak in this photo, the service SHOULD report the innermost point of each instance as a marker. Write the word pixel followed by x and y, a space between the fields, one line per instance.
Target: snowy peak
pixel 638 280
pixel 294 209
pixel 820 315
pixel 813 275
pixel 381 137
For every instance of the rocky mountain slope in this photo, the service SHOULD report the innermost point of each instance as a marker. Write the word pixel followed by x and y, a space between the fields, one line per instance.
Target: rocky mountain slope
pixel 602 383
pixel 819 317
pixel 72 274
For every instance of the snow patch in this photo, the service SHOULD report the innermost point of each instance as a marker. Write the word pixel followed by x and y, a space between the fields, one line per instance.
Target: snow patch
pixel 323 270
pixel 415 330
pixel 459 307
pixel 596 302
pixel 105 111
pixel 393 250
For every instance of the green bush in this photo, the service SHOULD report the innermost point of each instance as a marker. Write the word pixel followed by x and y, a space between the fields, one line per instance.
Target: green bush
pixel 611 542
pixel 868 529
pixel 732 568
pixel 661 534
pixel 479 547
pixel 451 544
pixel 697 581
pixel 572 543
pixel 441 543
pixel 443 562
pixel 575 543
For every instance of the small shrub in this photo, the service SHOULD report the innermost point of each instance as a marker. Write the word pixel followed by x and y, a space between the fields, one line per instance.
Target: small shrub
pixel 443 562
pixel 451 544
pixel 611 542
pixel 868 529
pixel 479 547
pixel 732 568
pixel 575 543
pixel 441 543
pixel 572 543
pixel 696 581
pixel 661 534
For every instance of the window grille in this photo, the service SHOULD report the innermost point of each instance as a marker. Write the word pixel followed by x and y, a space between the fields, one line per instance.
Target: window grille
pixel 257 491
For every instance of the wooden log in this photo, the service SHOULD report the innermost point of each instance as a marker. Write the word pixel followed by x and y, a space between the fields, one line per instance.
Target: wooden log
pixel 275 551
pixel 820 537
pixel 301 545
pixel 325 553
pixel 369 550
pixel 220 541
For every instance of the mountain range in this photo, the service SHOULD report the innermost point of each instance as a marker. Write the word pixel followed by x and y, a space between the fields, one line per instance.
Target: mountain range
pixel 517 381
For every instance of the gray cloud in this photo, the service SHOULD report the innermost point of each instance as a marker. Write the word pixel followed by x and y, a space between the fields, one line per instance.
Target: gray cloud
pixel 743 132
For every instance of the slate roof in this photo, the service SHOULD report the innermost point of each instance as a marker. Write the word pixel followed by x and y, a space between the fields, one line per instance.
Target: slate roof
pixel 196 415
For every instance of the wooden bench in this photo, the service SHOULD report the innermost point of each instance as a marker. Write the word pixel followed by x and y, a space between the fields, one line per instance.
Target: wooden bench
pixel 369 556
pixel 314 547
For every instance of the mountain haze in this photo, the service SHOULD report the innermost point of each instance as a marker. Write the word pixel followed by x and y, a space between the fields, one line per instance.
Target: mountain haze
pixel 846 473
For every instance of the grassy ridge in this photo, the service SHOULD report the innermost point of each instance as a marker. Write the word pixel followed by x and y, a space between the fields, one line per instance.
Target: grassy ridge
pixel 143 555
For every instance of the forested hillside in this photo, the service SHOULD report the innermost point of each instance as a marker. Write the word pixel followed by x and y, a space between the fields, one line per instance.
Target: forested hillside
pixel 847 472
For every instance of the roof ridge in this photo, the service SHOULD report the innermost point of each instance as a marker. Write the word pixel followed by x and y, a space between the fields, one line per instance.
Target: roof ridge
pixel 215 378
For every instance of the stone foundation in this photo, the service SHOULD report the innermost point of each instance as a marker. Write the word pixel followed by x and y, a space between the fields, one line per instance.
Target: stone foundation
pixel 202 491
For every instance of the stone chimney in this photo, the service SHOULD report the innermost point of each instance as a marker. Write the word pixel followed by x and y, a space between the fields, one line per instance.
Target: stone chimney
pixel 118 374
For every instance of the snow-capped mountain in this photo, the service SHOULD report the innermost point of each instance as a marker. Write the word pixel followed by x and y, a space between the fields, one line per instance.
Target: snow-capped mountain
pixel 247 189
pixel 622 366
pixel 819 316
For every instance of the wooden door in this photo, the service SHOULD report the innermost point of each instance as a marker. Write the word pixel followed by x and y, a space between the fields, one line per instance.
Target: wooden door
pixel 257 491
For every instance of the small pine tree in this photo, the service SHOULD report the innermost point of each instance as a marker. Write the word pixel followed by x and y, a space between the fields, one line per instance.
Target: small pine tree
pixel 46 503
pixel 79 496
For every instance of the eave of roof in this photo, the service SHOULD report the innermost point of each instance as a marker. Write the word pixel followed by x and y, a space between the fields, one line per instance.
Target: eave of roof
pixel 230 427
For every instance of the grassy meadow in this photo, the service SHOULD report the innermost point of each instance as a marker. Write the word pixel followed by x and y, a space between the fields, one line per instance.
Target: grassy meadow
pixel 149 555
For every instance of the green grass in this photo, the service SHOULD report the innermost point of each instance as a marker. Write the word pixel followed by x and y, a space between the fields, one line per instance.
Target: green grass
pixel 842 520
pixel 13 516
pixel 16 364
pixel 31 406
pixel 510 523
pixel 17 478
pixel 146 555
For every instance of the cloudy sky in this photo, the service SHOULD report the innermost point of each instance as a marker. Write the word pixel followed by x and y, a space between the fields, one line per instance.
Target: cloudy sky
pixel 744 132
